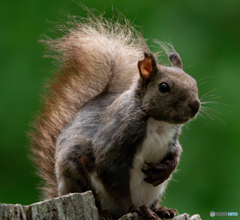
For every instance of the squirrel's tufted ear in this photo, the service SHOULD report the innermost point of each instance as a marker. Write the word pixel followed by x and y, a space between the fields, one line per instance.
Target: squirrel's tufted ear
pixel 147 67
pixel 175 60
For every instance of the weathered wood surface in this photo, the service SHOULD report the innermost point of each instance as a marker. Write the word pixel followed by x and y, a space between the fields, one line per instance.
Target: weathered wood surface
pixel 185 216
pixel 74 206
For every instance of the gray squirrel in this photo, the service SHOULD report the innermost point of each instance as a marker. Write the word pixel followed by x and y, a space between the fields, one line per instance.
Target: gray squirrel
pixel 111 119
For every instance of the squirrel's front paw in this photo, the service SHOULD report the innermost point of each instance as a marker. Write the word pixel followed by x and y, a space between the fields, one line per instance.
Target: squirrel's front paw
pixel 158 173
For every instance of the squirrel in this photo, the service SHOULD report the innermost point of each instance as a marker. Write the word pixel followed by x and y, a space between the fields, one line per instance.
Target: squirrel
pixel 111 119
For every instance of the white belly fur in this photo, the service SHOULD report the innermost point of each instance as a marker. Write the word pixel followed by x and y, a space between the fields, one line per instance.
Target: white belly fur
pixel 153 150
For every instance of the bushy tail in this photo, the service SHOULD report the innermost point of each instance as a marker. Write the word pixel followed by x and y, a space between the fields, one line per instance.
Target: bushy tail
pixel 96 55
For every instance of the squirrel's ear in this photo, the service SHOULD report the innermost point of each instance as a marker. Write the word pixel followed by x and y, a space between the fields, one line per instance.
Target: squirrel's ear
pixel 147 66
pixel 175 60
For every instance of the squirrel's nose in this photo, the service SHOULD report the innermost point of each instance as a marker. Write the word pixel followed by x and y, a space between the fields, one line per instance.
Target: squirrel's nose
pixel 194 105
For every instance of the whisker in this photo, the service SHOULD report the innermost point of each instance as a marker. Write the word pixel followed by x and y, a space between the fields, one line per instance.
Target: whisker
pixel 206 77
pixel 207 108
pixel 200 114
pixel 211 97
pixel 202 83
pixel 211 102
pixel 208 93
pixel 205 112
pixel 188 66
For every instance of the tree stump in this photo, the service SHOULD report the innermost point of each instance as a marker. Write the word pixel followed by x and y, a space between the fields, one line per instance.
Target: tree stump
pixel 74 206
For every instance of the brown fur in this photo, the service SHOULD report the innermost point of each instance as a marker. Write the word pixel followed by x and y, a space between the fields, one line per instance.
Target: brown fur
pixel 89 53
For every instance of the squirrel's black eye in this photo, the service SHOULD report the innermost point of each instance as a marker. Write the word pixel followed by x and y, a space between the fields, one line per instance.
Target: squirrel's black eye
pixel 164 88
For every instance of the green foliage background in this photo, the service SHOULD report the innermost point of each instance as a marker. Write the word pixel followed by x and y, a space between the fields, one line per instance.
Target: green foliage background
pixel 207 36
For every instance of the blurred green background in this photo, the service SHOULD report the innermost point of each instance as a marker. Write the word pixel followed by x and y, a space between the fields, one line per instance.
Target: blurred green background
pixel 207 36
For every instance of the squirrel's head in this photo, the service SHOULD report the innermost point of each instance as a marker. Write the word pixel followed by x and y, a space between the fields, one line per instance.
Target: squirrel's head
pixel 167 93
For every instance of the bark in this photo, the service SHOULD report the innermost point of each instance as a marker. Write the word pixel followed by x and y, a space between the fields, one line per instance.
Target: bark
pixel 74 206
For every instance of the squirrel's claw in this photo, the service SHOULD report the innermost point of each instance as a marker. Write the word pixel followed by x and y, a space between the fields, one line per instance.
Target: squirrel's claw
pixel 148 213
pixel 144 211
pixel 135 208
pixel 164 212
pixel 106 215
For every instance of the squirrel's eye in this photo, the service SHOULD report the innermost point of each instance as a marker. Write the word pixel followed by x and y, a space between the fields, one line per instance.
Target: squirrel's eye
pixel 164 88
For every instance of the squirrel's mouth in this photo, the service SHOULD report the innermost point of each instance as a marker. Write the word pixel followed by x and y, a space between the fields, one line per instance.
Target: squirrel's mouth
pixel 177 118
pixel 185 120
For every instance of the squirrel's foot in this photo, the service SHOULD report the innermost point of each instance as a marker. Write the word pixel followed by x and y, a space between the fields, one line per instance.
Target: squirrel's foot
pixel 158 173
pixel 106 215
pixel 164 212
pixel 148 213
pixel 144 211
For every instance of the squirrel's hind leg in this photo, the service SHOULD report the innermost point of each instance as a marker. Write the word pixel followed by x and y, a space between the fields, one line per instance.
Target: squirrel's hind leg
pixel 74 164
pixel 68 185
